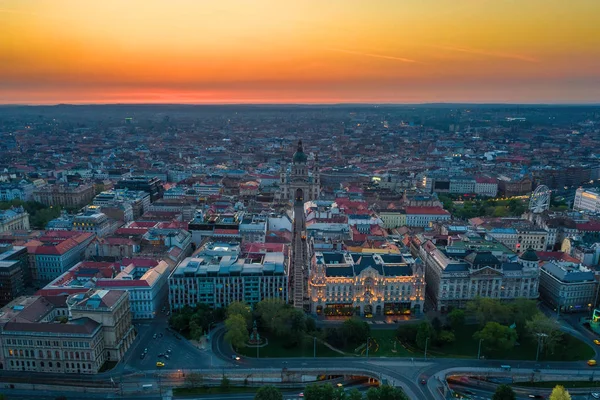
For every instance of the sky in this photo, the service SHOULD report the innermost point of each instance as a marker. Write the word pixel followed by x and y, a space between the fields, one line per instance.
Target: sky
pixel 305 51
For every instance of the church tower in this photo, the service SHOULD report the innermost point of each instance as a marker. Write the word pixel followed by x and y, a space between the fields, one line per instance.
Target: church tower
pixel 297 184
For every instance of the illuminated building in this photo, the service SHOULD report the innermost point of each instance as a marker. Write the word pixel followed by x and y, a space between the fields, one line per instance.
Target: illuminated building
pixel 298 184
pixel 342 283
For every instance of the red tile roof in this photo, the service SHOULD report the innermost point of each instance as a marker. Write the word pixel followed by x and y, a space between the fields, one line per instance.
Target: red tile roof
pixel 592 226
pixel 426 211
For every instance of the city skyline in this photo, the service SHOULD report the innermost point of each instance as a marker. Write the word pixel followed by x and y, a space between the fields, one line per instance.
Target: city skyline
pixel 471 51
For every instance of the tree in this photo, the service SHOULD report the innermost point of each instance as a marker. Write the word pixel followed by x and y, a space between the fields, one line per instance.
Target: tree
pixel 560 393
pixel 445 337
pixel 485 310
pixel 504 392
pixel 319 392
pixel 496 337
pixel 240 308
pixel 425 333
pixel 355 331
pixel 268 392
pixel 354 394
pixel 311 325
pixel 237 332
pixel 193 379
pixel 456 318
pixel 225 383
pixel 267 311
pixel 546 330
pixel 386 393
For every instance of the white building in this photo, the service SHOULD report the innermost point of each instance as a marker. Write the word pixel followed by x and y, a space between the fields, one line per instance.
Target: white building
pixel 485 186
pixel 423 216
pixel 453 282
pixel 568 286
pixel 587 200
pixel 301 183
pixel 220 274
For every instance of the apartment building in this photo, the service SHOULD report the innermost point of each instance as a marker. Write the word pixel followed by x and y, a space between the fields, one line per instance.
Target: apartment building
pixel 568 286
pixel 64 195
pixel 220 274
pixel 15 218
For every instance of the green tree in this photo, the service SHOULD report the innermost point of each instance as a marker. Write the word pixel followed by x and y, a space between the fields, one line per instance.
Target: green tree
pixel 353 394
pixel 240 308
pixel 386 393
pixel 267 311
pixel 546 330
pixel 268 392
pixel 504 392
pixel 496 337
pixel 319 392
pixel 456 318
pixel 236 331
pixel 560 393
pixel 424 332
pixel 225 383
pixel 445 337
pixel 485 310
pixel 180 321
pixel 355 331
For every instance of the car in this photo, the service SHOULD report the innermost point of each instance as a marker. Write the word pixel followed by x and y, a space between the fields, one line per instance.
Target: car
pixel 169 351
pixel 300 394
pixel 145 350
pixel 154 336
pixel 597 342
pixel 167 356
pixel 595 395
pixel 423 381
pixel 160 335
pixel 160 355
pixel 143 355
pixel 160 364
pixel 536 396
pixel 592 363
pixel 339 385
pixel 234 357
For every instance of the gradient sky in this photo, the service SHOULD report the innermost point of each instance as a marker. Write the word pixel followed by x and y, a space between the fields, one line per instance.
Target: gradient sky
pixel 299 51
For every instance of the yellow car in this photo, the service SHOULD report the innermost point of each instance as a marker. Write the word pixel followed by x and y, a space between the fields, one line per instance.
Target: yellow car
pixel 160 364
pixel 592 363
pixel 597 342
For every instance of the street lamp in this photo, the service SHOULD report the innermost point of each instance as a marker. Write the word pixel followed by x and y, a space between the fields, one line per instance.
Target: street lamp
pixel 314 347
pixel 368 339
pixel 479 350
pixel 426 343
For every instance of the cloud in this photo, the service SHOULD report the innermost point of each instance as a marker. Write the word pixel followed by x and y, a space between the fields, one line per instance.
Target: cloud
pixel 383 56
pixel 496 54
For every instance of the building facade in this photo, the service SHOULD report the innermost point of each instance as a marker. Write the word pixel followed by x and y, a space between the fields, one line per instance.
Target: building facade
pixel 453 282
pixel 299 184
pixel 220 274
pixel 568 286
pixel 587 200
pixel 60 334
pixel 64 195
pixel 15 218
pixel 422 216
pixel 365 284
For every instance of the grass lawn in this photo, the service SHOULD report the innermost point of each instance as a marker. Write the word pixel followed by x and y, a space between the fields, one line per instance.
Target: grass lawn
pixel 465 346
pixel 212 390
pixel 566 384
pixel 382 345
pixel 276 348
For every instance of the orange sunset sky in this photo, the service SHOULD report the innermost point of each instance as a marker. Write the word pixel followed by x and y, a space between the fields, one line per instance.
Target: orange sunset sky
pixel 305 51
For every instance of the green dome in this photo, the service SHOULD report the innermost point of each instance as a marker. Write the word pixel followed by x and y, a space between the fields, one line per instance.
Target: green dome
pixel 529 255
pixel 299 156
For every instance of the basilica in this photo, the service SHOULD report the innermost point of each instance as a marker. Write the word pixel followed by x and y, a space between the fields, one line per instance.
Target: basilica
pixel 299 182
